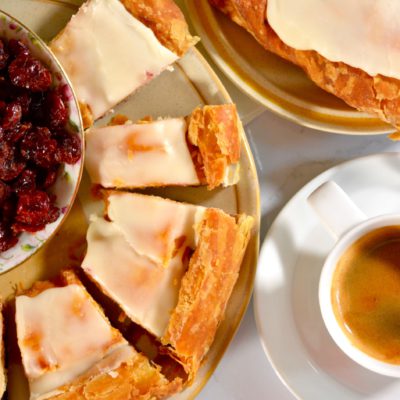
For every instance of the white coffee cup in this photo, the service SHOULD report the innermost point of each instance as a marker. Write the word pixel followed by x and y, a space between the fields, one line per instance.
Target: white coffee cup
pixel 347 224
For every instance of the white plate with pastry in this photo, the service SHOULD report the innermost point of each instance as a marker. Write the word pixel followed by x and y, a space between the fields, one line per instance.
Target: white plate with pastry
pixel 172 123
pixel 286 306
pixel 282 86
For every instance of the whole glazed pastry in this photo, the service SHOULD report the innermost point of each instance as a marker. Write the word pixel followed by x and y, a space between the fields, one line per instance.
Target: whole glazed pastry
pixel 350 49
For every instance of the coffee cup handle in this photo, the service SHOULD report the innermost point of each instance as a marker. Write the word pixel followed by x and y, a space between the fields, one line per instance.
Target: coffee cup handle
pixel 335 209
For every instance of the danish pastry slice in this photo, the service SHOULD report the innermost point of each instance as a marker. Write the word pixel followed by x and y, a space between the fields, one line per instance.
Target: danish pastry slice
pixel 202 149
pixel 112 47
pixel 170 267
pixel 349 49
pixel 69 349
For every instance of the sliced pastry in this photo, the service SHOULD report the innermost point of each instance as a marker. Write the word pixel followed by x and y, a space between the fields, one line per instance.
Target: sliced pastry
pixel 112 47
pixel 202 149
pixel 170 267
pixel 350 48
pixel 70 351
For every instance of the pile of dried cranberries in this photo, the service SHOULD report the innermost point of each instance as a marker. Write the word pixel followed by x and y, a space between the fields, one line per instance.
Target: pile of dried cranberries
pixel 34 142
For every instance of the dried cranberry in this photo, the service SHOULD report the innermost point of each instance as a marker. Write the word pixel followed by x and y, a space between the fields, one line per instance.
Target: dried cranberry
pixel 57 111
pixel 37 109
pixel 5 88
pixel 5 192
pixel 16 48
pixel 65 92
pixel 18 133
pixel 53 214
pixel 10 164
pixel 18 227
pixel 33 207
pixel 39 147
pixel 3 55
pixel 24 100
pixel 7 239
pixel 29 73
pixel 69 150
pixel 12 115
pixel 48 177
pixel 26 181
pixel 8 209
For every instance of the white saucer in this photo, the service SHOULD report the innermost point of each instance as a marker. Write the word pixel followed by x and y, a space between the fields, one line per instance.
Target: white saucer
pixel 286 307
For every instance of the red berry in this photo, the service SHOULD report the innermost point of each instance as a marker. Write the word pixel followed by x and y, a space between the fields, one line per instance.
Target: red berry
pixel 57 111
pixel 12 115
pixel 70 149
pixel 26 181
pixel 10 164
pixel 16 48
pixel 29 73
pixel 3 55
pixel 32 208
pixel 39 147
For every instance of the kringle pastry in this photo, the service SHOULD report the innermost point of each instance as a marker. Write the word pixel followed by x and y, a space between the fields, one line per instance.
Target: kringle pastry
pixel 350 48
pixel 70 351
pixel 112 47
pixel 204 148
pixel 171 268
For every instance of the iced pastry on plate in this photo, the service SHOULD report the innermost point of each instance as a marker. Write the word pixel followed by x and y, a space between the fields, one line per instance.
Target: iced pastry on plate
pixel 202 149
pixel 112 47
pixel 70 351
pixel 170 267
pixel 350 49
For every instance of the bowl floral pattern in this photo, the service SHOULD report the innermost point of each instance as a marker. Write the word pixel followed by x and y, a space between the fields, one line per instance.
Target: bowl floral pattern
pixel 69 177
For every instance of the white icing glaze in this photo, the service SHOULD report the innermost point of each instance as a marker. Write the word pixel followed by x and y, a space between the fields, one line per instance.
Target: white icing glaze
pixel 362 33
pixel 108 54
pixel 145 291
pixel 232 175
pixel 154 226
pixel 140 155
pixel 64 341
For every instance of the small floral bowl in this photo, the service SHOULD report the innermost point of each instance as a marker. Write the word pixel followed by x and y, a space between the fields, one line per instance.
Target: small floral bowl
pixel 66 186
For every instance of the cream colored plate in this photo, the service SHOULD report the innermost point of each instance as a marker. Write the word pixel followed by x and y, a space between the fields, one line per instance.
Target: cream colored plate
pixel 275 83
pixel 173 93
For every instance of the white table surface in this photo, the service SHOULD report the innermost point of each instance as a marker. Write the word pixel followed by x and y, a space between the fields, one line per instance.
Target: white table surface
pixel 287 157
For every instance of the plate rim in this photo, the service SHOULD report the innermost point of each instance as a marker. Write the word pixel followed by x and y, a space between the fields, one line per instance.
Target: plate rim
pixel 263 250
pixel 367 125
pixel 252 251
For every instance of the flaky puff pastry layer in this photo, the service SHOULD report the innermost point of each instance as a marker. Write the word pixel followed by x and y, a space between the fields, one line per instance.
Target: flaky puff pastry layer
pixel 379 95
pixel 206 287
pixel 135 379
pixel 214 133
pixel 166 20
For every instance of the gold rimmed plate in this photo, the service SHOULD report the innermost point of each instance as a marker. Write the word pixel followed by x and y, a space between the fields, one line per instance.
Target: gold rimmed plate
pixel 278 85
pixel 192 83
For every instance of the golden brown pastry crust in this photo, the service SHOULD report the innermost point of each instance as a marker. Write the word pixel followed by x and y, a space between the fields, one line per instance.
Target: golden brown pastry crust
pixel 166 20
pixel 137 379
pixel 206 287
pixel 379 95
pixel 214 135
